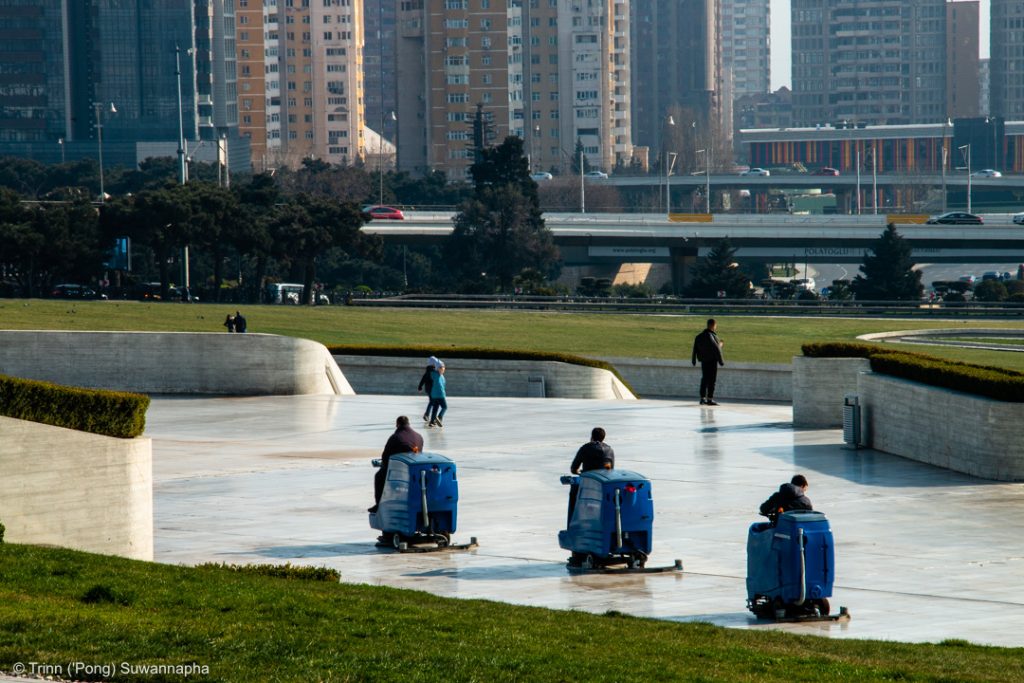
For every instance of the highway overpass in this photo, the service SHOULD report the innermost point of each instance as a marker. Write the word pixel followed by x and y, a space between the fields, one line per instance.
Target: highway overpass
pixel 652 238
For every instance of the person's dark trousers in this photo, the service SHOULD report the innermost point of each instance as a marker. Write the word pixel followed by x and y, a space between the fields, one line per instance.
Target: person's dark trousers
pixel 708 375
pixel 574 492
pixel 438 403
pixel 378 483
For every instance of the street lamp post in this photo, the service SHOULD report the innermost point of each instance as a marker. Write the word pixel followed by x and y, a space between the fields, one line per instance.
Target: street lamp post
pixel 98 107
pixel 60 141
pixel 858 180
pixel 945 160
pixel 965 150
pixel 182 167
pixel 874 178
pixel 583 192
pixel 670 162
pixel 707 177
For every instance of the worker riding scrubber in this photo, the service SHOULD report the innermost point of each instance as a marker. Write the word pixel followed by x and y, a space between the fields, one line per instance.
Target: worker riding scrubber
pixel 791 559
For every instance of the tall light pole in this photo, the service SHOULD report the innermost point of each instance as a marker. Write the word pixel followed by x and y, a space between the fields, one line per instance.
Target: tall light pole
pixel 965 150
pixel 182 167
pixel 583 191
pixel 380 149
pixel 874 177
pixel 670 162
pixel 945 160
pixel 707 177
pixel 858 180
pixel 664 146
pixel 60 141
pixel 99 107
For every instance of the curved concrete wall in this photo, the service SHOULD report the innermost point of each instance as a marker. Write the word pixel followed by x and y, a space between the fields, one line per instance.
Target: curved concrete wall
pixel 819 385
pixel 173 362
pixel 481 377
pixel 657 378
pixel 76 490
pixel 971 434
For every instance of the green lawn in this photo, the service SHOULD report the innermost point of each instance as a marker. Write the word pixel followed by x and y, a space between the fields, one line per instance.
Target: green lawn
pixel 59 606
pixel 747 338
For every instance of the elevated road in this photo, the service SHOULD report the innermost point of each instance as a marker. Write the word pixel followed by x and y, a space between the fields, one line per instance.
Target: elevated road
pixel 586 238
pixel 733 181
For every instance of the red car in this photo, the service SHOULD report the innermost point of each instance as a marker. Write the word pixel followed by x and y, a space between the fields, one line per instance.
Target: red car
pixel 385 213
pixel 828 170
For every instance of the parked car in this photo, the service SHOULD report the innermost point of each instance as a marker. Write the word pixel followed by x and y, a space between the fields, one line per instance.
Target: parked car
pixel 956 218
pixel 804 284
pixel 990 275
pixel 541 175
pixel 386 213
pixel 987 173
pixel 597 174
pixel 761 172
pixel 827 170
pixel 67 291
pixel 1018 218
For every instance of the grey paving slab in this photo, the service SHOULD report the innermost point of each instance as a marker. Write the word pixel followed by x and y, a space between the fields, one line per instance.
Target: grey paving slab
pixel 923 554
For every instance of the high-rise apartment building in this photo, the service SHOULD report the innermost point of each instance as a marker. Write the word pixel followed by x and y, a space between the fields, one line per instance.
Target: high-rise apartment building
pixel 676 67
pixel 34 58
pixel 869 61
pixel 259 86
pixel 1006 59
pixel 321 74
pixel 379 82
pixel 71 61
pixel 554 72
pixel 962 57
pixel 746 45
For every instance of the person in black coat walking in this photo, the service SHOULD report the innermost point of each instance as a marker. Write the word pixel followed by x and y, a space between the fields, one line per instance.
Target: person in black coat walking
pixel 708 350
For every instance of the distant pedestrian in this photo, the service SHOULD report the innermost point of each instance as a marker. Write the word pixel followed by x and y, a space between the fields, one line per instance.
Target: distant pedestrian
pixel 426 383
pixel 229 323
pixel 708 350
pixel 239 322
pixel 438 396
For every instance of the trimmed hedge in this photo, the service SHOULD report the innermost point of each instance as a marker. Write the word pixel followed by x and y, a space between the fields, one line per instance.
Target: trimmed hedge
pixel 981 380
pixel 278 571
pixel 476 353
pixel 110 413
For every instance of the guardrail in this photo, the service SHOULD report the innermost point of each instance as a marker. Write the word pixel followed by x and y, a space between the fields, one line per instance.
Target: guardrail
pixel 972 309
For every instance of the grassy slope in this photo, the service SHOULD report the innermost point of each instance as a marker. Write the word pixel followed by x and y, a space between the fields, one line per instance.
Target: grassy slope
pixel 761 339
pixel 248 628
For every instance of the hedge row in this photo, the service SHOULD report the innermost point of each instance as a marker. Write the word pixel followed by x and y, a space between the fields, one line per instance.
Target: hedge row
pixel 1000 384
pixel 477 353
pixel 110 413
pixel 279 571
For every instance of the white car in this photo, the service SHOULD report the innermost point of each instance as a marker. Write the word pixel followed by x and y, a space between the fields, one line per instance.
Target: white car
pixel 541 175
pixel 804 284
pixel 1018 218
pixel 987 173
pixel 597 174
pixel 760 172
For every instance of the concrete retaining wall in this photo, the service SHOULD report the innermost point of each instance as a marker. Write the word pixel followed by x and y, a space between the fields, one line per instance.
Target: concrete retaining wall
pixel 173 362
pixel 76 490
pixel 656 378
pixel 819 385
pixel 971 434
pixel 478 377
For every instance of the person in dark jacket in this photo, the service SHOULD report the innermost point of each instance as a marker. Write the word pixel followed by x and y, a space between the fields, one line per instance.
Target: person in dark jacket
pixel 708 350
pixel 240 323
pixel 404 440
pixel 791 496
pixel 427 383
pixel 593 455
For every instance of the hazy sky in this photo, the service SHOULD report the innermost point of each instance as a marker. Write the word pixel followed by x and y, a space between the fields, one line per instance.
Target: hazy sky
pixel 781 57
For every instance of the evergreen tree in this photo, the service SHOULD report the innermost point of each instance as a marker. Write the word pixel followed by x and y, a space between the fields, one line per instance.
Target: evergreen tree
pixel 718 272
pixel 888 273
pixel 578 154
pixel 500 231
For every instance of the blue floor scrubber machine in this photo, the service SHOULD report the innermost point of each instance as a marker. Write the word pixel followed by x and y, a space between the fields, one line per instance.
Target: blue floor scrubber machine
pixel 611 515
pixel 419 506
pixel 791 567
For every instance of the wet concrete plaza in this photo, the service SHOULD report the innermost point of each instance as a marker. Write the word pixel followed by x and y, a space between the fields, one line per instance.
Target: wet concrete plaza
pixel 922 554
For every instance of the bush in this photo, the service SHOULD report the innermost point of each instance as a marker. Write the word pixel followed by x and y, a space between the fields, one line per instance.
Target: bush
pixel 1016 298
pixel 110 413
pixel 2 529
pixel 990 290
pixel 981 380
pixel 477 353
pixel 280 571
